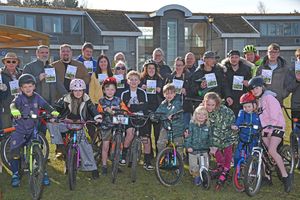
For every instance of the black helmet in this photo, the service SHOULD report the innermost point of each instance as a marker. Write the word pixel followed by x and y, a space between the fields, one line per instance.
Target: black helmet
pixel 150 62
pixel 256 82
pixel 26 79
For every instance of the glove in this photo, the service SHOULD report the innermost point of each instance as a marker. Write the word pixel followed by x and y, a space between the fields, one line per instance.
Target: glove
pixel 3 87
pixel 15 113
pixel 55 113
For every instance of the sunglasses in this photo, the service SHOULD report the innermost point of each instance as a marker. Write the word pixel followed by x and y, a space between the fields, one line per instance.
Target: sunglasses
pixel 13 62
pixel 120 68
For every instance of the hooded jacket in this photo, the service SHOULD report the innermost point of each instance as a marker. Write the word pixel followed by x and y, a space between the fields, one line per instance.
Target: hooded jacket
pixel 293 86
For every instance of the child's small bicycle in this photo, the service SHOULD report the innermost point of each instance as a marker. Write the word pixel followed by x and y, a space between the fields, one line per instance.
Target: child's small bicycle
pixel 169 164
pixel 238 173
pixel 203 170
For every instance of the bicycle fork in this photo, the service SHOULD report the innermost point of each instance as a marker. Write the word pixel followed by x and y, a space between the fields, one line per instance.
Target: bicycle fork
pixel 258 151
pixel 202 167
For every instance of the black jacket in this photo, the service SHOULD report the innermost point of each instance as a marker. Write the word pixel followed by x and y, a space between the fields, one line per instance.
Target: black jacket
pixel 141 106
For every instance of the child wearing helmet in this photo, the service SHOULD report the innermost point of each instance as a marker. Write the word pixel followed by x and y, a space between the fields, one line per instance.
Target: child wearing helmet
pixel 106 104
pixel 26 103
pixel 77 106
pixel 270 113
pixel 246 116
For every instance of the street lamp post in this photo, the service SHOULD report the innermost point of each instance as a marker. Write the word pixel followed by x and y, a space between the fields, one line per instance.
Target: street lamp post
pixel 210 21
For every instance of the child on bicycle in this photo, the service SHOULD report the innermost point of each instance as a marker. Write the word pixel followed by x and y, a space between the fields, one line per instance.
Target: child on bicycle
pixel 25 104
pixel 246 116
pixel 221 118
pixel 270 113
pixel 77 106
pixel 198 141
pixel 168 107
pixel 107 104
pixel 137 102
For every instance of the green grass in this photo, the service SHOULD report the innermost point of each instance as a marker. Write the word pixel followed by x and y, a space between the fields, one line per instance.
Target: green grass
pixel 146 188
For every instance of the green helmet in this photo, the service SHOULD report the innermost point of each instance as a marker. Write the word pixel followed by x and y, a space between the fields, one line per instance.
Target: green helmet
pixel 249 48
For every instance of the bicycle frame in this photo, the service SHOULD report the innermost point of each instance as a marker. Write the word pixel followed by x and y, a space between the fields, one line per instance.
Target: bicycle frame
pixel 200 158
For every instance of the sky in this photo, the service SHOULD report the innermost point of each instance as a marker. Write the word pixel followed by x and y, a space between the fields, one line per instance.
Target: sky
pixel 198 6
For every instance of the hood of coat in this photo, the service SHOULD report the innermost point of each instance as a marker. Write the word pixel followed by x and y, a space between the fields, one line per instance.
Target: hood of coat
pixel 225 62
pixel 68 100
pixel 281 61
pixel 269 92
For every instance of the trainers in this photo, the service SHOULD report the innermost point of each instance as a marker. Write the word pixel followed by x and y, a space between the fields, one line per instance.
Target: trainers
pixel 95 174
pixel 15 180
pixel 46 180
pixel 104 171
pixel 197 181
pixel 287 183
pixel 148 167
pixel 122 162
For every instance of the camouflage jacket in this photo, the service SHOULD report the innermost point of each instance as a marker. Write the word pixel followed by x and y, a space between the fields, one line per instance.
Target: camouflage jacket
pixel 221 121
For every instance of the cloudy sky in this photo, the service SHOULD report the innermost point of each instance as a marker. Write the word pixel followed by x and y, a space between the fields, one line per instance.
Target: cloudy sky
pixel 225 6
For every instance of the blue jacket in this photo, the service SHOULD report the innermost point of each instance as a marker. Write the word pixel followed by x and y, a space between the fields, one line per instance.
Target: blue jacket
pixel 247 118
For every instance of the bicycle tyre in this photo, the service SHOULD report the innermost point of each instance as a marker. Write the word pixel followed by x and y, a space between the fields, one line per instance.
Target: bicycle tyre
pixel 294 142
pixel 251 168
pixel 165 163
pixel 238 178
pixel 44 145
pixel 135 151
pixel 206 180
pixel 116 159
pixel 72 167
pixel 97 148
pixel 286 152
pixel 37 172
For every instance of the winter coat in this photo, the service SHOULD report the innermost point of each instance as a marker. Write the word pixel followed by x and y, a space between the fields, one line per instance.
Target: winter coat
pixel 142 101
pixel 95 89
pixel 293 86
pixel 271 111
pixel 87 109
pixel 81 59
pixel 221 121
pixel 246 134
pixel 51 92
pixel 169 109
pixel 199 137
pixel 164 70
pixel 278 77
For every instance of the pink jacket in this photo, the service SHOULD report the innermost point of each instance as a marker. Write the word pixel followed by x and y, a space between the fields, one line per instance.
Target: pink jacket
pixel 271 111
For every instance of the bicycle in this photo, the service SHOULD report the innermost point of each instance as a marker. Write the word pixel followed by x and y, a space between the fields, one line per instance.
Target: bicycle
pixel 3 134
pixel 238 173
pixel 32 158
pixel 259 159
pixel 137 121
pixel 203 170
pixel 169 162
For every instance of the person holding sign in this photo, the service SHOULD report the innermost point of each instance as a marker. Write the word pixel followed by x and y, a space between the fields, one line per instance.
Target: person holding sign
pixel 86 57
pixel 179 78
pixel 103 71
pixel 238 74
pixel 68 69
pixel 9 74
pixel 274 71
pixel 47 83
pixel 152 83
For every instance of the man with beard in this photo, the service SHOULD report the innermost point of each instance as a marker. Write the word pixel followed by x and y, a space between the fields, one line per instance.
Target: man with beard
pixel 66 62
pixel 50 91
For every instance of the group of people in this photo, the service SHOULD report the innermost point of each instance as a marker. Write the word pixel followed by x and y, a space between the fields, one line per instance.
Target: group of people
pixel 215 98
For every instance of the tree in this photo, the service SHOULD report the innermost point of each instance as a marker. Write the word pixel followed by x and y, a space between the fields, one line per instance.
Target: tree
pixel 84 4
pixel 58 3
pixel 261 7
pixel 35 3
pixel 14 2
pixel 65 3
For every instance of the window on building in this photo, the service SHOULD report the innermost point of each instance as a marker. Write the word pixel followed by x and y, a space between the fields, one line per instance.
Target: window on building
pixel 120 44
pixel 280 28
pixel 171 42
pixel 145 44
pixel 2 19
pixel 75 23
pixel 238 44
pixel 194 36
pixel 52 24
pixel 25 21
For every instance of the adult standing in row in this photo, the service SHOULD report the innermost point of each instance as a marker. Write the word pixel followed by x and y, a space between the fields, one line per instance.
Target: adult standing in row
pixel 10 72
pixel 190 62
pixel 86 57
pixel 66 62
pixel 50 91
pixel 158 56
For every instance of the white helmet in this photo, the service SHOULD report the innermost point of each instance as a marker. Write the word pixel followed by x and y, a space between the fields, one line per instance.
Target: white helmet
pixel 77 84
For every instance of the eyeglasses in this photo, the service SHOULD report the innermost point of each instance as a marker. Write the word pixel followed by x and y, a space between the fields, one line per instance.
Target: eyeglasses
pixel 120 68
pixel 11 61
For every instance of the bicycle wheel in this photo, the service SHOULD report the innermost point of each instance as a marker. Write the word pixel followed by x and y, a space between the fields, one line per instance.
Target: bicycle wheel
pixel 5 152
pixel 238 177
pixel 97 148
pixel 44 145
pixel 115 165
pixel 37 171
pixel 168 168
pixel 205 179
pixel 135 156
pixel 72 167
pixel 286 153
pixel 253 176
pixel 294 142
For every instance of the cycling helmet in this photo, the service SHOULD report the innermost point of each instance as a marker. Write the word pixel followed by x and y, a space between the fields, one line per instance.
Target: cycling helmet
pixel 249 48
pixel 247 98
pixel 150 62
pixel 26 79
pixel 77 84
pixel 109 80
pixel 256 82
